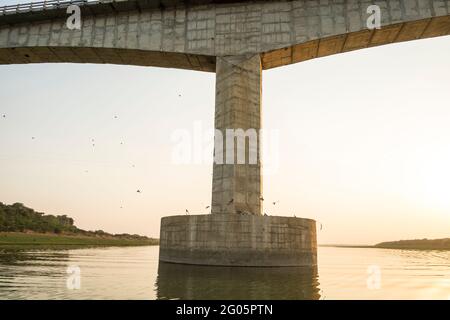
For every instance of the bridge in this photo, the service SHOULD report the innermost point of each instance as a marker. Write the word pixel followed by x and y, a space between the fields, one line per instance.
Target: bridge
pixel 191 34
pixel 236 40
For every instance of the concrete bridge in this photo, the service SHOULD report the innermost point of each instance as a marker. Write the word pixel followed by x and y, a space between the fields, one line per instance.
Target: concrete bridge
pixel 190 34
pixel 237 40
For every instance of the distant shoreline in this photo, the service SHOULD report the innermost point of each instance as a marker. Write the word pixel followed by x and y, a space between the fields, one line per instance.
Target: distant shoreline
pixel 344 246
pixel 23 227
pixel 40 240
pixel 417 244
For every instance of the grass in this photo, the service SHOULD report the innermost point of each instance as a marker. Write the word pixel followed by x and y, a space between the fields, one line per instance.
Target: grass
pixel 18 239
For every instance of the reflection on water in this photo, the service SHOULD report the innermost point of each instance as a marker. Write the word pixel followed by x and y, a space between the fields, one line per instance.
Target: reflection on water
pixel 134 273
pixel 106 273
pixel 23 271
pixel 202 282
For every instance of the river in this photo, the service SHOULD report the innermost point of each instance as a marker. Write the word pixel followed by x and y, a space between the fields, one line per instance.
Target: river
pixel 134 273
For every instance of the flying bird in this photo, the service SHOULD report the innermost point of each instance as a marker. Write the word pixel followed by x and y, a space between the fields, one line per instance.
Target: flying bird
pixel 4 116
pixel 275 202
pixel 207 207
pixel 138 191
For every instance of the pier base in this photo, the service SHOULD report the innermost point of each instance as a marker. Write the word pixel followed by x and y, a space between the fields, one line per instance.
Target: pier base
pixel 238 240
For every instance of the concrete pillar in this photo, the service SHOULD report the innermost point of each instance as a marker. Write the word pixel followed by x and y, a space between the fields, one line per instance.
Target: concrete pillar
pixel 237 184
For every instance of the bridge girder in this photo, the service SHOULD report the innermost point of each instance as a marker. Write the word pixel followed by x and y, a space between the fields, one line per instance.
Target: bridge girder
pixel 191 34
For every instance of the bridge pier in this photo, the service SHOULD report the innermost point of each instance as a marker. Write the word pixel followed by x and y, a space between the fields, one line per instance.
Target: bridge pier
pixel 236 233
pixel 236 186
pixel 238 240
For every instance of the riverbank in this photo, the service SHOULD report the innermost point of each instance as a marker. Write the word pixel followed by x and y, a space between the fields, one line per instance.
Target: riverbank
pixel 19 239
pixel 419 244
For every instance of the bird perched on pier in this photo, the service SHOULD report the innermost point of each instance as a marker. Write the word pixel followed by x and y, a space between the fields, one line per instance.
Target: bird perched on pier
pixel 231 201
pixel 261 198
pixel 187 211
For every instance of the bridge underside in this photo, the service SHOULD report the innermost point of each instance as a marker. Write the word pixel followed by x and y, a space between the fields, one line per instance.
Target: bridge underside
pixel 191 34
pixel 400 32
pixel 24 55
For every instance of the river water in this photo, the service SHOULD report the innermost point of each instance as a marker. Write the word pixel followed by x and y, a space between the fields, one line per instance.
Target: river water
pixel 134 273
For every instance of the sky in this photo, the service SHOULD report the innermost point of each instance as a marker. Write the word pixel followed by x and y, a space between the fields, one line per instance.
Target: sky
pixel 363 142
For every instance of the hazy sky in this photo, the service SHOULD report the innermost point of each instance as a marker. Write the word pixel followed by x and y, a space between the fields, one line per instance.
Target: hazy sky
pixel 364 142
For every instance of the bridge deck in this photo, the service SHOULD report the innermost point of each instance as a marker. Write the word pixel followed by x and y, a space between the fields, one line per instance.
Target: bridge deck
pixel 57 8
pixel 48 9
pixel 43 5
pixel 182 34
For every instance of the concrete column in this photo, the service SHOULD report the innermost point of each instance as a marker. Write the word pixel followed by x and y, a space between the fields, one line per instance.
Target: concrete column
pixel 237 184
